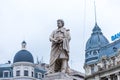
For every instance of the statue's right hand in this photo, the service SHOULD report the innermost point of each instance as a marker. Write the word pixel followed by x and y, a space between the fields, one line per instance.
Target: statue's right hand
pixel 53 40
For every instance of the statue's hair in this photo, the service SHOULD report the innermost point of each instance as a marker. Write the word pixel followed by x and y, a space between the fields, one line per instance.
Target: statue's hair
pixel 61 21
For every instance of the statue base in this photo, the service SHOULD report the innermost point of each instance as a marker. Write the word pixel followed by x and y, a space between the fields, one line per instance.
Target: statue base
pixel 58 76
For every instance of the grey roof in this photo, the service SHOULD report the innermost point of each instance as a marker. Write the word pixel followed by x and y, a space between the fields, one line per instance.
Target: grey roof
pixel 5 65
pixel 23 56
pixel 40 70
pixel 110 49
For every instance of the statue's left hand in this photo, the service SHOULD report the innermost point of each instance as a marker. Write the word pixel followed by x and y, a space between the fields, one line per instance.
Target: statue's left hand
pixel 60 41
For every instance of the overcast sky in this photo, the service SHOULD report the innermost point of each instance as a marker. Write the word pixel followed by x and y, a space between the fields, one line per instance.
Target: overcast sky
pixel 34 20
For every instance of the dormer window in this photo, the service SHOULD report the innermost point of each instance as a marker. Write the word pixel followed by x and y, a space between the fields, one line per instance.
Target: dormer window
pixel 39 75
pixel 36 75
pixel 90 52
pixel 43 75
pixel 115 49
pixel 94 52
pixel 6 74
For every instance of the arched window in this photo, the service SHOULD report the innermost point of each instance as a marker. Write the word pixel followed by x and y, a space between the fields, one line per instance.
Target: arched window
pixel 115 49
pixel 104 62
pixel 94 52
pixel 39 75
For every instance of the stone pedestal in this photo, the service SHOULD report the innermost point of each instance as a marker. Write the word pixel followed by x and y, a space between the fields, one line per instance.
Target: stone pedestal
pixel 58 76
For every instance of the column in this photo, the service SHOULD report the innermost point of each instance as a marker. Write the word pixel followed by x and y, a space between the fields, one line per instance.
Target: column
pixel 108 77
pixel 118 76
pixel 97 77
pixel 22 70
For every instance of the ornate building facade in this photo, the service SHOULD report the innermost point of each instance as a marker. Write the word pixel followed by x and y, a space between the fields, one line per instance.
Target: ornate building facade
pixel 23 67
pixel 102 59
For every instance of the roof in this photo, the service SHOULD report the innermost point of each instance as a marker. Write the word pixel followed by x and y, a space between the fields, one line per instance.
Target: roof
pixel 40 70
pixel 97 39
pixel 5 65
pixel 110 49
pixel 23 56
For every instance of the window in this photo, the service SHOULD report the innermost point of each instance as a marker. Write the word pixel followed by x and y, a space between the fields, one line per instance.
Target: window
pixel 39 75
pixel 115 49
pixel 113 61
pixel 43 76
pixel 25 72
pixel 92 58
pixel 10 74
pixel 94 52
pixel 90 53
pixel 36 75
pixel 6 74
pixel 87 54
pixel 32 74
pixel 18 73
pixel 92 69
pixel 105 63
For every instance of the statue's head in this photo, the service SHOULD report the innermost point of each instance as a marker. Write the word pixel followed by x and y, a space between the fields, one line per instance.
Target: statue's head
pixel 60 23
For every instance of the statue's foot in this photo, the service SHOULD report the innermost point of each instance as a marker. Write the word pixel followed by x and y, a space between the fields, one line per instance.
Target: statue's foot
pixel 63 71
pixel 49 72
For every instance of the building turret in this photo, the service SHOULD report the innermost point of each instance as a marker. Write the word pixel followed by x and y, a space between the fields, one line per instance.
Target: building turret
pixel 92 52
pixel 94 43
pixel 23 64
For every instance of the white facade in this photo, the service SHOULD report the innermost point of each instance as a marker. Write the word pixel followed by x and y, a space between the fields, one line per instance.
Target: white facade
pixel 22 67
pixel 19 69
